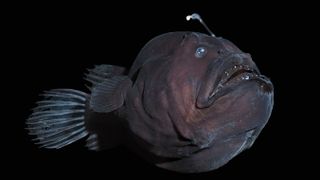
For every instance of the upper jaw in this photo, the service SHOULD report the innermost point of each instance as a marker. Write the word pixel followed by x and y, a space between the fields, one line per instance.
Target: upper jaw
pixel 238 74
pixel 225 74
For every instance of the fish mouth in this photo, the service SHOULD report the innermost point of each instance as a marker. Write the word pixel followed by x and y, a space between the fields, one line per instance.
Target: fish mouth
pixel 239 74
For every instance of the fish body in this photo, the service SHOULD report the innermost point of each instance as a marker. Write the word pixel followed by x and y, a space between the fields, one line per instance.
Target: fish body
pixel 190 103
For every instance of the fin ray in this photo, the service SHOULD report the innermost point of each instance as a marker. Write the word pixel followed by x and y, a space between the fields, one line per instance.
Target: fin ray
pixel 92 142
pixel 58 120
pixel 99 73
pixel 110 94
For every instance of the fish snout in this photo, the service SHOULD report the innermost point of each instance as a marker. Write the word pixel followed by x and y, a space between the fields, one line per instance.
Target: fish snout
pixel 234 69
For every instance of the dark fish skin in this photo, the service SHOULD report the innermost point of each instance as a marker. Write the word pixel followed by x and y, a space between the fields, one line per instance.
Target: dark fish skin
pixel 190 103
pixel 169 110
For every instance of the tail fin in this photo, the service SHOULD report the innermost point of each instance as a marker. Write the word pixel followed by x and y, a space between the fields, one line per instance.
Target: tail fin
pixel 58 120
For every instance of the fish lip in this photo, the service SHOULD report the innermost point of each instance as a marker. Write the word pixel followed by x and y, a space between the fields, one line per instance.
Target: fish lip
pixel 238 74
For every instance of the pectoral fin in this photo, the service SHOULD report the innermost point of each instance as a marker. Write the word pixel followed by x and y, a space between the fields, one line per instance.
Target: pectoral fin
pixel 99 73
pixel 110 94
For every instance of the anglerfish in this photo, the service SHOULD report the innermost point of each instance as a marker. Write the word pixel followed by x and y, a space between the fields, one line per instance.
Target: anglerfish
pixel 190 103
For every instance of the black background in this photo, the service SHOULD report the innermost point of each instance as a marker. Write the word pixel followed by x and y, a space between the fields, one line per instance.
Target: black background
pixel 51 45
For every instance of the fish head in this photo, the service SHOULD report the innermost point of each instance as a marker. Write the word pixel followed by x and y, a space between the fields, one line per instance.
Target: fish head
pixel 202 100
pixel 209 78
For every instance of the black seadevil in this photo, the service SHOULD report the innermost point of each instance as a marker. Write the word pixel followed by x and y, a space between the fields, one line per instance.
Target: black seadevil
pixel 190 103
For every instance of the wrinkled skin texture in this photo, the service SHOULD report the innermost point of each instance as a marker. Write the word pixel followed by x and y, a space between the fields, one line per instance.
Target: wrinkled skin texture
pixel 191 114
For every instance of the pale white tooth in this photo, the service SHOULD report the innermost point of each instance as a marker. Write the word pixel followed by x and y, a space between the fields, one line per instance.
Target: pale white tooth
pixel 245 77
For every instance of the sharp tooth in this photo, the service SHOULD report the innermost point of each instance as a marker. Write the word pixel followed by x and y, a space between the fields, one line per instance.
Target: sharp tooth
pixel 245 77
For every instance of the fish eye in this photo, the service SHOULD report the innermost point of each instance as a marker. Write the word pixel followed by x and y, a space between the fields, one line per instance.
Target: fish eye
pixel 200 52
